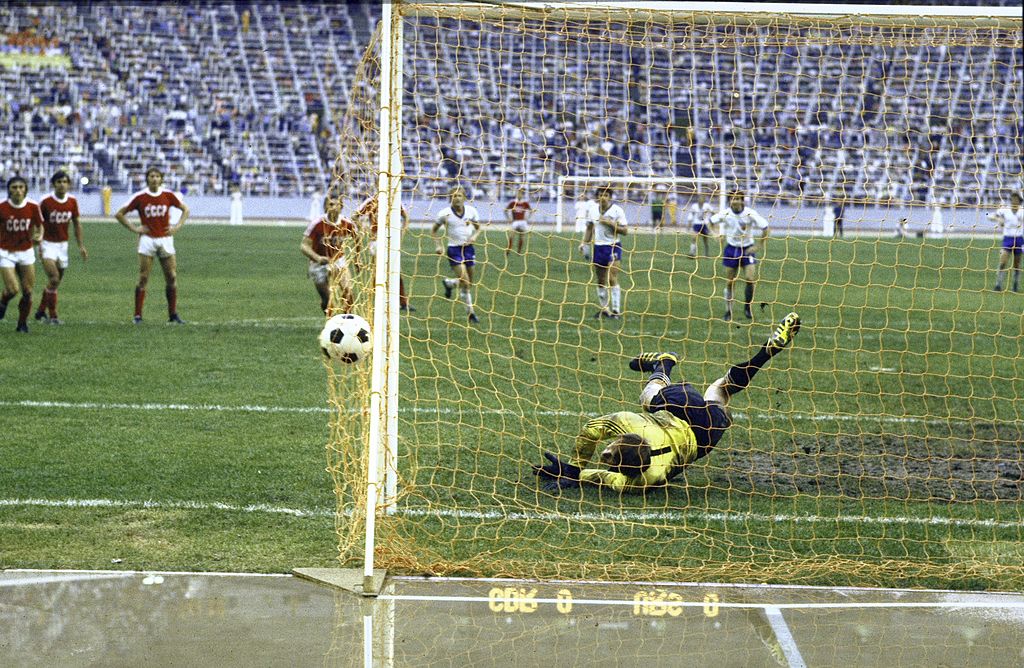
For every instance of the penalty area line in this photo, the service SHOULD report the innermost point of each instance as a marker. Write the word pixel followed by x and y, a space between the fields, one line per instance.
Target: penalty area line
pixel 454 513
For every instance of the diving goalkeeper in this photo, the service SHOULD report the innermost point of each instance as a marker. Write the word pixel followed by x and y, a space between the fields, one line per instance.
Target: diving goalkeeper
pixel 678 427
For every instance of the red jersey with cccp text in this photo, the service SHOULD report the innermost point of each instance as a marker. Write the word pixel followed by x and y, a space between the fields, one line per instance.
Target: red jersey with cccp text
pixel 16 224
pixel 327 236
pixel 518 209
pixel 154 210
pixel 57 215
pixel 369 209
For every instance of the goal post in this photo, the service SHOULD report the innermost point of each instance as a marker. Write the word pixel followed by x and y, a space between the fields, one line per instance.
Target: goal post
pixel 694 186
pixel 847 460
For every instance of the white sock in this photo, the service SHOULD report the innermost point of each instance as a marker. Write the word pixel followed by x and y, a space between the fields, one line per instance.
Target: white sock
pixel 693 248
pixel 467 297
pixel 451 282
pixel 602 297
pixel 616 298
pixel 650 391
pixel 728 299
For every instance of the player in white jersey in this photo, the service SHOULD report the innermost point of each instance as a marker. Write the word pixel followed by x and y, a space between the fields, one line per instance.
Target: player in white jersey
pixel 739 223
pixel 699 220
pixel 461 224
pixel 1012 221
pixel 605 234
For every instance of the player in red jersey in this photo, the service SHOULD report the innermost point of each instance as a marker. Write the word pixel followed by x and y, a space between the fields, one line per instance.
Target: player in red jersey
pixel 366 216
pixel 21 225
pixel 518 213
pixel 60 210
pixel 324 243
pixel 156 237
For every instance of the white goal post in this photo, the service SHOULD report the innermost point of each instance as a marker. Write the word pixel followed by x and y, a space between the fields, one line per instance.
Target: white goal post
pixel 717 185
pixel 381 486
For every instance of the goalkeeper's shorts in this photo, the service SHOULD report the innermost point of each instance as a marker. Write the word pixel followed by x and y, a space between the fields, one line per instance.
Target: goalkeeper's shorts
pixel 708 421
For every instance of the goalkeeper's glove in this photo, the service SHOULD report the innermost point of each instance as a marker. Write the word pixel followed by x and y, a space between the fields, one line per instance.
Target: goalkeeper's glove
pixel 557 475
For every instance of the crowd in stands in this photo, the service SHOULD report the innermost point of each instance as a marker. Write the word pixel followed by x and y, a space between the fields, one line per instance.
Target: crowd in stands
pixel 253 95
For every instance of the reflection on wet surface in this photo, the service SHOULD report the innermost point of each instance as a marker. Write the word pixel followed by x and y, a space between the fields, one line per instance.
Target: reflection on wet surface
pixel 131 619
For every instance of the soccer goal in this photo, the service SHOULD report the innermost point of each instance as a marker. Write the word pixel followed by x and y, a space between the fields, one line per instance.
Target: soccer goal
pixel 681 191
pixel 881 446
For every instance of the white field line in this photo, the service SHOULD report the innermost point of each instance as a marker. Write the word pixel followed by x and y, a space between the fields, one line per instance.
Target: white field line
pixel 63 577
pixel 163 505
pixel 721 604
pixel 784 636
pixel 628 516
pixel 221 574
pixel 300 322
pixel 469 410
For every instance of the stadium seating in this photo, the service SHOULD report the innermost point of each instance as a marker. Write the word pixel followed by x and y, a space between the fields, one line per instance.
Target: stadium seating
pixel 223 93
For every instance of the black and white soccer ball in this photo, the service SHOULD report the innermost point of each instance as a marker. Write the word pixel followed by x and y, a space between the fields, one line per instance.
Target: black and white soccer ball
pixel 346 338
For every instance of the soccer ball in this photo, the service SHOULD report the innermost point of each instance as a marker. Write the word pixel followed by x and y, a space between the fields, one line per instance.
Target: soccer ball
pixel 346 338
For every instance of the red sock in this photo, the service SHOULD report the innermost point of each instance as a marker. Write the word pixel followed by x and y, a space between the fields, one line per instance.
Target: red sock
pixel 50 298
pixel 140 296
pixel 402 299
pixel 172 299
pixel 24 306
pixel 43 301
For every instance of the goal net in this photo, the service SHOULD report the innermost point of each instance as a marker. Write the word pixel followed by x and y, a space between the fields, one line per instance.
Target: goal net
pixel 883 446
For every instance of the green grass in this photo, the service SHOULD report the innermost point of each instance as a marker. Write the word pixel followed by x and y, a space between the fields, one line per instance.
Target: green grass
pixel 899 400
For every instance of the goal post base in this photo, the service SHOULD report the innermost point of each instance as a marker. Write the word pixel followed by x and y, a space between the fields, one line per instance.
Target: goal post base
pixel 345 579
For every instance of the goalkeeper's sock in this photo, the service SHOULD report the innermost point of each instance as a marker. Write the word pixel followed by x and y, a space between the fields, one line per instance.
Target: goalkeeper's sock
pixel 1000 277
pixel 693 248
pixel 748 294
pixel 728 301
pixel 602 297
pixel 740 375
pixel 616 299
pixel 1016 280
pixel 467 296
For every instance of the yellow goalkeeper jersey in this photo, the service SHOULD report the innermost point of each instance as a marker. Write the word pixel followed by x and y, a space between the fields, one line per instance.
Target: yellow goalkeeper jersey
pixel 672 442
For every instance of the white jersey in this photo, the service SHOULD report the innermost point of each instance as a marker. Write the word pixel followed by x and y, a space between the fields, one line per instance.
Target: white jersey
pixel 603 235
pixel 700 214
pixel 1012 222
pixel 586 214
pixel 738 228
pixel 459 228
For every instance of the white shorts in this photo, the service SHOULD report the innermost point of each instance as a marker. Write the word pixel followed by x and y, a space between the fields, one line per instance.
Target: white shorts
pixel 320 273
pixel 56 251
pixel 520 226
pixel 12 259
pixel 159 246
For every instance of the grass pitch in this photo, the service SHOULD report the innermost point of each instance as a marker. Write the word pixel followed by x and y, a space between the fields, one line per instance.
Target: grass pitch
pixel 891 431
